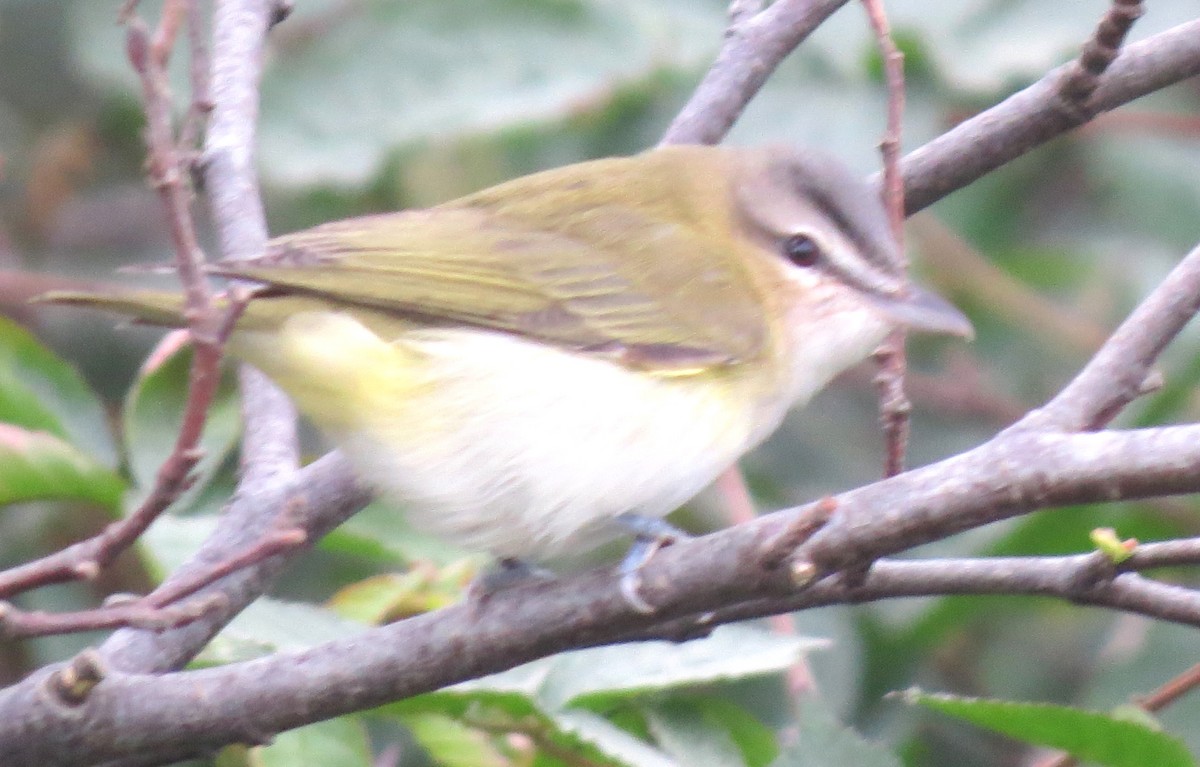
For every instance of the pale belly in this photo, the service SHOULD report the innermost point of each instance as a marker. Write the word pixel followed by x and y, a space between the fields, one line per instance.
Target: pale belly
pixel 512 447
pixel 523 451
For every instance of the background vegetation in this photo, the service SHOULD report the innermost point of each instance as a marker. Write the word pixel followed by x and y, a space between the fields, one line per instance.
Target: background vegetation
pixel 381 104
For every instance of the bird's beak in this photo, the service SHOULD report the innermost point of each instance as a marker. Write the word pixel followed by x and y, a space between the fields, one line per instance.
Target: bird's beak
pixel 924 311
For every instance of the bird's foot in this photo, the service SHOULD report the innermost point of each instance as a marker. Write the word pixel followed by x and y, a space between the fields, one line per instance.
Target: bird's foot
pixel 505 573
pixel 650 535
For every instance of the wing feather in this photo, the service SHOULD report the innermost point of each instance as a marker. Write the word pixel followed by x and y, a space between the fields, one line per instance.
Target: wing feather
pixel 650 289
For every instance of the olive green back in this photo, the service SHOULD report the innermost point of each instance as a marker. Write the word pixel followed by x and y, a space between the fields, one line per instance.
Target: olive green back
pixel 629 258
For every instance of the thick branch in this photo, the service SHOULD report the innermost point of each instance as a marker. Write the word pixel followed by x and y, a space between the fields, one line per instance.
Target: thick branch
pixel 1114 377
pixel 269 444
pixel 317 498
pixel 930 172
pixel 1017 472
pixel 754 46
pixel 137 714
pixel 1089 579
pixel 1037 114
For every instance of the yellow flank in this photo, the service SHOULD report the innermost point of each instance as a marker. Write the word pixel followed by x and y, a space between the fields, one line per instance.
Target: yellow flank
pixel 506 445
pixel 338 371
pixel 502 444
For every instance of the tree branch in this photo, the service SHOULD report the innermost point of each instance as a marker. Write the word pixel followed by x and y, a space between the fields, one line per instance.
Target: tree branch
pixel 149 54
pixel 1143 67
pixel 1115 376
pixel 132 714
pixel 138 716
pixel 894 404
pixel 269 446
pixel 755 44
pixel 1036 114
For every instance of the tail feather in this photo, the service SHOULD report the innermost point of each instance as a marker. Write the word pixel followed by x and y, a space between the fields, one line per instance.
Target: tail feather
pixel 266 313
pixel 151 307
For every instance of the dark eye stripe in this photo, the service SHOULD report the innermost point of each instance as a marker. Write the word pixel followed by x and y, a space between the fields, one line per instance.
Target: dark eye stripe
pixel 860 231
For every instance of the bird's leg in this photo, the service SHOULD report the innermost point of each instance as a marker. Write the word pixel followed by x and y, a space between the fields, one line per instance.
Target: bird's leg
pixel 505 573
pixel 650 535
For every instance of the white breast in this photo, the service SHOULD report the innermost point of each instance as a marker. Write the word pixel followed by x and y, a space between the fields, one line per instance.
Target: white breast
pixel 525 451
pixel 521 450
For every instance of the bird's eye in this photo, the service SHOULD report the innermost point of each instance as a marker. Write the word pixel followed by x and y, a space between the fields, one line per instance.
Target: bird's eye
pixel 801 250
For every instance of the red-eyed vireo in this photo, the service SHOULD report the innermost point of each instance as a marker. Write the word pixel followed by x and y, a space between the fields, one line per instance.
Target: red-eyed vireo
pixel 521 366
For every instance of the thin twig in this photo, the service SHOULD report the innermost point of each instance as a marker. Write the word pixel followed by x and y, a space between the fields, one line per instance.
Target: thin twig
pixel 1171 690
pixel 1039 113
pixel 1073 578
pixel 754 46
pixel 270 454
pixel 889 146
pixel 199 68
pixel 286 539
pixel 166 607
pixel 149 55
pixel 1082 78
pixel 22 624
pixel 894 405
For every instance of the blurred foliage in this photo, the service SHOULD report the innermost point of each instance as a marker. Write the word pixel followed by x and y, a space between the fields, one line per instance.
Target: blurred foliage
pixel 378 104
pixel 1128 737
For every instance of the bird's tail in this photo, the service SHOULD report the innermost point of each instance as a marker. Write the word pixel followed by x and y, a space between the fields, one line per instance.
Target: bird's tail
pixel 152 307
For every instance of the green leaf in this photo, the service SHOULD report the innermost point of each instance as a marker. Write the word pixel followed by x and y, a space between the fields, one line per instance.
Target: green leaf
pixel 1087 735
pixel 35 466
pixel 390 75
pixel 755 741
pixel 171 541
pixel 452 743
pixel 515 703
pixel 1116 549
pixel 41 392
pixel 683 731
pixel 500 713
pixel 153 414
pixel 612 740
pixel 272 625
pixel 391 596
pixel 823 741
pixel 599 675
pixel 1161 651
pixel 382 530
pixel 342 742
pixel 543 696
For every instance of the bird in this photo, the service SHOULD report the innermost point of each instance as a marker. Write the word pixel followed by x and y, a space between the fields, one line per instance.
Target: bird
pixel 529 369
